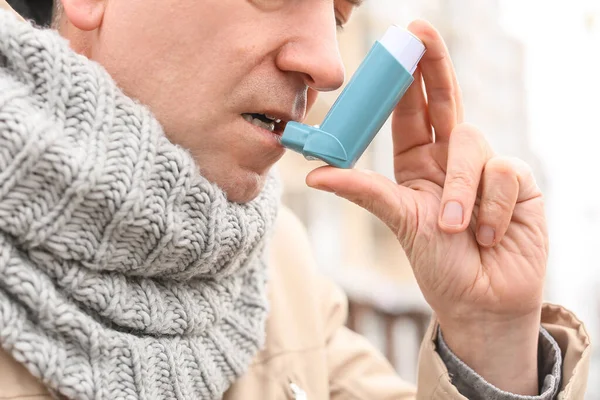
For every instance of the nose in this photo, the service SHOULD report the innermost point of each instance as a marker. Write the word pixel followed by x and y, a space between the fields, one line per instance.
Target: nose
pixel 314 53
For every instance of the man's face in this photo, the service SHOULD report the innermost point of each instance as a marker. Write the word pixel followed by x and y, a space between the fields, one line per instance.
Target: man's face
pixel 203 66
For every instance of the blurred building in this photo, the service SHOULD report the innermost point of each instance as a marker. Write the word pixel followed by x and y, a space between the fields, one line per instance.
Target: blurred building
pixel 352 246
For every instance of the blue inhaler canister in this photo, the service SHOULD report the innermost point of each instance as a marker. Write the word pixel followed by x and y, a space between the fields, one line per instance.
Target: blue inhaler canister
pixel 364 105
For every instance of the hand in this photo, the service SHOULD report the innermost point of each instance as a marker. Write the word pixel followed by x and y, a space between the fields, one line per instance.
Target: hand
pixel 471 223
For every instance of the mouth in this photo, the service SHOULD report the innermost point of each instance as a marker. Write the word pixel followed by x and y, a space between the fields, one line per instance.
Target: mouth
pixel 271 123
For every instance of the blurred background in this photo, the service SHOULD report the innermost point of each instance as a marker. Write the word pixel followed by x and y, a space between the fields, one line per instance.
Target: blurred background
pixel 530 74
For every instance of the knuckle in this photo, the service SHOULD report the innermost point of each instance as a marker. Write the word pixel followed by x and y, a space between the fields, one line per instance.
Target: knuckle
pixel 496 206
pixel 501 175
pixel 525 171
pixel 519 164
pixel 512 165
pixel 442 94
pixel 511 169
pixel 504 165
pixel 461 180
pixel 469 138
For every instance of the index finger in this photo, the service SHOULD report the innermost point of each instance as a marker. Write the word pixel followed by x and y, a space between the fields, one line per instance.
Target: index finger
pixel 443 92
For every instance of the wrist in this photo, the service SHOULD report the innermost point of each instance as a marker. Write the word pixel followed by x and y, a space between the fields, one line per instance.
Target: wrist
pixel 501 349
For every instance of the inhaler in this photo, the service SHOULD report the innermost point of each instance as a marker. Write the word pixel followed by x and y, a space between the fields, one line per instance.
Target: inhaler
pixel 363 106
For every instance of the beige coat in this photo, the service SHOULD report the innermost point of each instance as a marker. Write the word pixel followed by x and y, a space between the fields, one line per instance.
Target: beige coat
pixel 308 348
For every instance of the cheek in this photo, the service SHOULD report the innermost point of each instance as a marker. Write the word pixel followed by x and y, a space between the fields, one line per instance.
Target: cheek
pixel 167 72
pixel 189 63
pixel 194 53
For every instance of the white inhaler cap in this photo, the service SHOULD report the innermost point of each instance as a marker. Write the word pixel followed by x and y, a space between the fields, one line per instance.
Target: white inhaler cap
pixel 404 46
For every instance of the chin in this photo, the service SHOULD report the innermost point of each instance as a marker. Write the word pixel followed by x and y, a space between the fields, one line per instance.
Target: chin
pixel 242 179
pixel 244 187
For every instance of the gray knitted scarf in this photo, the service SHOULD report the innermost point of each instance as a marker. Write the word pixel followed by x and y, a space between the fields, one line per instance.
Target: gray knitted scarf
pixel 124 274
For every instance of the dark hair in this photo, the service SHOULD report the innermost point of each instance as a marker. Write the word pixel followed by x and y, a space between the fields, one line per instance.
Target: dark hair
pixel 39 11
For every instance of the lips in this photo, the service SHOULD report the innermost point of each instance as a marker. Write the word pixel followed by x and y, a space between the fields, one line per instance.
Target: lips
pixel 261 120
pixel 267 121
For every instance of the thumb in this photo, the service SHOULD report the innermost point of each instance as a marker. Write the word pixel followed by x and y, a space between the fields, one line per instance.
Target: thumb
pixel 393 204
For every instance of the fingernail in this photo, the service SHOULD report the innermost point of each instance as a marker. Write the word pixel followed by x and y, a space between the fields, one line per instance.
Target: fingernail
pixel 453 214
pixel 486 235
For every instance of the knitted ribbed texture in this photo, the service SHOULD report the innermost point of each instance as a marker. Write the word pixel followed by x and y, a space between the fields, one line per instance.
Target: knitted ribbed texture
pixel 124 274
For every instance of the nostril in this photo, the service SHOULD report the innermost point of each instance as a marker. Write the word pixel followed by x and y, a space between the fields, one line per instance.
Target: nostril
pixel 328 78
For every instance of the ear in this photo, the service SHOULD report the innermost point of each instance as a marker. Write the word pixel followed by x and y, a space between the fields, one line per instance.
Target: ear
pixel 86 15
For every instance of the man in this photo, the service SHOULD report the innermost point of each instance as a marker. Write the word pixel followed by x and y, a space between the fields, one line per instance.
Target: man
pixel 471 222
